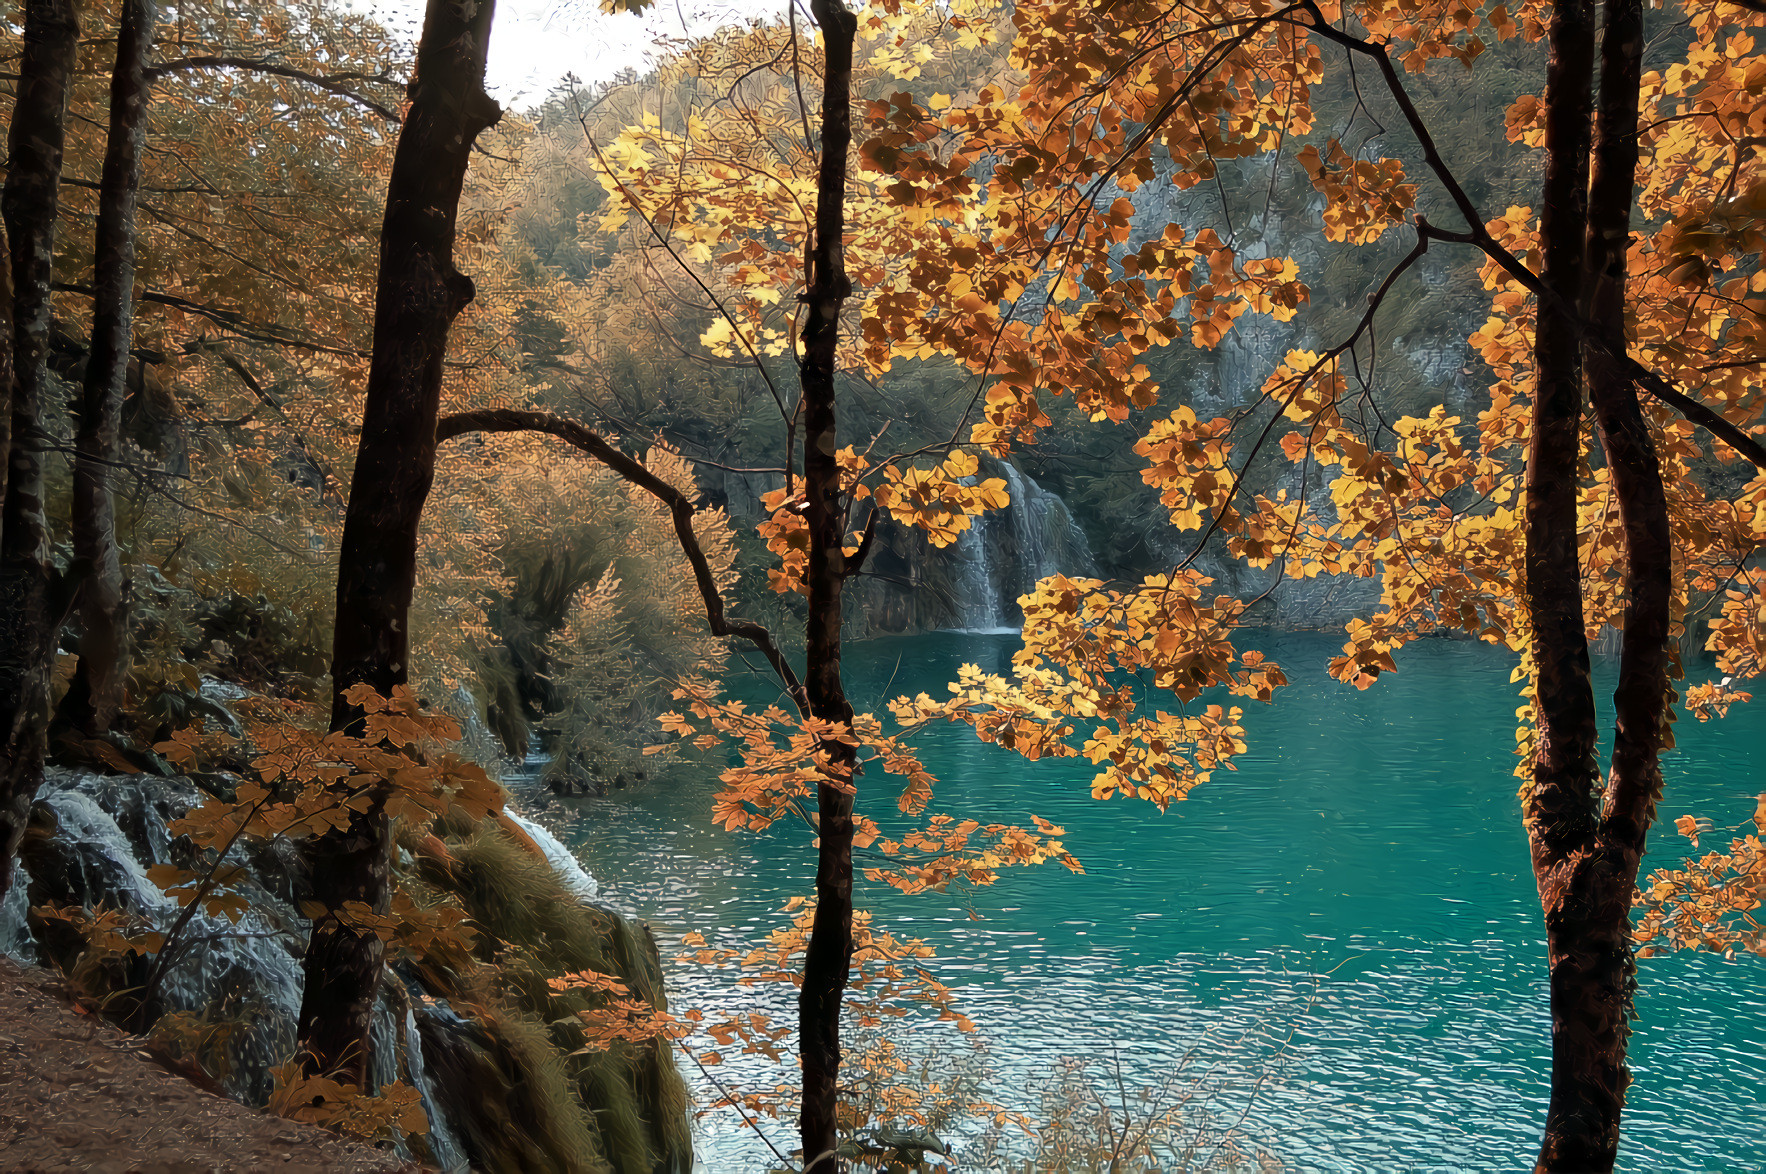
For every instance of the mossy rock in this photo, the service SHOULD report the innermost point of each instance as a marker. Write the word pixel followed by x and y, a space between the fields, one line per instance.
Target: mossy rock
pixel 516 1085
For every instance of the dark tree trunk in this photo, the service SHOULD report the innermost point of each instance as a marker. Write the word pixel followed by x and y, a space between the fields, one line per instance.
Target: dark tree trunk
pixel 1592 968
pixel 32 596
pixel 1642 701
pixel 829 956
pixel 1585 861
pixel 418 296
pixel 97 691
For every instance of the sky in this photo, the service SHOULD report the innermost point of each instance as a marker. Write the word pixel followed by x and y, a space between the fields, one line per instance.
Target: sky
pixel 534 43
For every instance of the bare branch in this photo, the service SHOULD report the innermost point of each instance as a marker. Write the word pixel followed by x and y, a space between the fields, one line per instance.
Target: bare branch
pixel 239 324
pixel 330 83
pixel 680 508
pixel 855 563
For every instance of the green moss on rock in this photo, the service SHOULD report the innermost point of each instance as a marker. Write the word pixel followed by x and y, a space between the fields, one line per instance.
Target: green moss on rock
pixel 539 1102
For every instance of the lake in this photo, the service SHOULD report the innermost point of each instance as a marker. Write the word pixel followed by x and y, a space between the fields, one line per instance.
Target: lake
pixel 1342 936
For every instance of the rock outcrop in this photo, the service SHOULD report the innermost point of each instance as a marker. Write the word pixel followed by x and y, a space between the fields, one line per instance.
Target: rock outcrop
pixel 444 1025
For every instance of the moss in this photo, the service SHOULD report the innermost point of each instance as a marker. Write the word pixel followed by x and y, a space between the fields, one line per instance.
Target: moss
pixel 509 1096
pixel 542 1097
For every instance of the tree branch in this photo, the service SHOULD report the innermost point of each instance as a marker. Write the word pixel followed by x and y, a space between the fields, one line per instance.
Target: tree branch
pixel 239 324
pixel 330 83
pixel 680 508
pixel 1478 235
pixel 327 479
pixel 855 564
pixel 704 287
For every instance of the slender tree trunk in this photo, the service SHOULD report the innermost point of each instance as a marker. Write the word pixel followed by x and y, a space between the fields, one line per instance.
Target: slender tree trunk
pixel 32 595
pixel 97 691
pixel 1584 885
pixel 1642 701
pixel 1593 974
pixel 829 956
pixel 418 296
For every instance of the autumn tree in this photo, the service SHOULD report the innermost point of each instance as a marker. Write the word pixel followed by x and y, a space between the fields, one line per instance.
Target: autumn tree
pixel 258 207
pixel 418 296
pixel 93 702
pixel 1004 237
pixel 757 176
pixel 1426 515
pixel 97 691
pixel 214 328
pixel 820 749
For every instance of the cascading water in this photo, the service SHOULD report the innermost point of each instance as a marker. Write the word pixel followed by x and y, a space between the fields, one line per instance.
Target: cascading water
pixel 444 1146
pixel 977 603
pixel 1003 555
pixel 250 969
pixel 560 858
pixel 15 935
pixel 110 829
pixel 1048 539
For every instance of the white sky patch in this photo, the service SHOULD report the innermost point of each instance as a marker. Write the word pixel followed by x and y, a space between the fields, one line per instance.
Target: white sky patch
pixel 535 43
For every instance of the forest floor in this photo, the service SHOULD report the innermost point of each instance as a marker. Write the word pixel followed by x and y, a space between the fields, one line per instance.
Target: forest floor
pixel 78 1094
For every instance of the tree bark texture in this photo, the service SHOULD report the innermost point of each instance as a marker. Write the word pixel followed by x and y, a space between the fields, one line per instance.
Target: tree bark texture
pixel 419 294
pixel 32 595
pixel 828 959
pixel 1642 701
pixel 1585 860
pixel 1593 974
pixel 97 691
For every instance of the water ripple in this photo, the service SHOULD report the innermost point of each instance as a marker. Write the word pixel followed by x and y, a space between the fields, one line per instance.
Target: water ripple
pixel 1344 930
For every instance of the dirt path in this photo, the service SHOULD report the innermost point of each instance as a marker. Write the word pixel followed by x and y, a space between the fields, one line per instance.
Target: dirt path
pixel 77 1094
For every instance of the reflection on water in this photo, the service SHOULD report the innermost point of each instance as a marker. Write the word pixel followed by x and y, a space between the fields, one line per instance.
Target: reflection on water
pixel 1345 926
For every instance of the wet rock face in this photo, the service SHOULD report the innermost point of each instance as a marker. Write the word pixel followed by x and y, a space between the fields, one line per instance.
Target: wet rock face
pixel 1423 354
pixel 974 584
pixel 15 935
pixel 92 839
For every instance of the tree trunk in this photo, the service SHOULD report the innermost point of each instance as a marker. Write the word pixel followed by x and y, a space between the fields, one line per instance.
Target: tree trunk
pixel 1592 987
pixel 1583 891
pixel 1642 701
pixel 418 296
pixel 32 595
pixel 97 691
pixel 829 956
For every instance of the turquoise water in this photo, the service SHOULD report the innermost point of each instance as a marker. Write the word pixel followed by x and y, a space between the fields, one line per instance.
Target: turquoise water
pixel 1342 935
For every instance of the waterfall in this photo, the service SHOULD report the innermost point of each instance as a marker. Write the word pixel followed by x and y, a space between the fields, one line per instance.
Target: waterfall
pixel 569 870
pixel 1003 555
pixel 977 595
pixel 15 935
pixel 251 968
pixel 1048 539
pixel 111 829
pixel 444 1146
